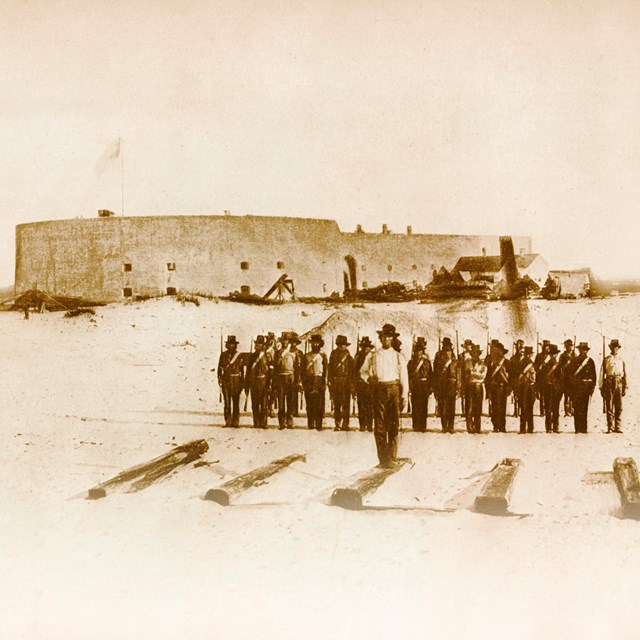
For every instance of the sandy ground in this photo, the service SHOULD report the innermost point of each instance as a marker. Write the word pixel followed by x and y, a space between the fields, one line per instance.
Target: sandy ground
pixel 84 399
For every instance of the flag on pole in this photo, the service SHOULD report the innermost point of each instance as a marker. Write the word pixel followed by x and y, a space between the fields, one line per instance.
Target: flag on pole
pixel 109 157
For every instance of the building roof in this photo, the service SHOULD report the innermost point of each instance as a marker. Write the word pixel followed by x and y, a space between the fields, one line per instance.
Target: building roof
pixel 491 264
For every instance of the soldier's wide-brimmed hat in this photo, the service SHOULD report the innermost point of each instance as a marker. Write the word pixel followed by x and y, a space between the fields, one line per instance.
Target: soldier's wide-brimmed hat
pixel 528 350
pixel 583 346
pixel 545 343
pixel 293 337
pixel 316 338
pixel 342 341
pixel 365 341
pixel 568 342
pixel 231 340
pixel 388 330
pixel 614 343
pixel 504 349
pixel 446 342
pixel 553 349
pixel 259 340
pixel 519 342
pixel 420 343
pixel 467 343
pixel 475 349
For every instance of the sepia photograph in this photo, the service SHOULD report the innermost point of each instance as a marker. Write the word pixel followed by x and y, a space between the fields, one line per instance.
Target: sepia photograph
pixel 317 319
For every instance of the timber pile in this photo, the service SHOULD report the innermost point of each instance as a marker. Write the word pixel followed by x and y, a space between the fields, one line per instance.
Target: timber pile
pixel 625 473
pixel 223 494
pixel 493 499
pixel 36 299
pixel 363 485
pixel 144 475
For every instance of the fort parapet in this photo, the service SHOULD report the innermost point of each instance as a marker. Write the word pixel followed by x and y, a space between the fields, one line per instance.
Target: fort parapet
pixel 110 258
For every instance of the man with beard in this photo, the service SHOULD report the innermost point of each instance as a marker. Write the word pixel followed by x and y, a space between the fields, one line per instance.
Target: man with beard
pixel 497 385
pixel 552 374
pixel 526 383
pixel 258 381
pixel 613 386
pixel 445 384
pixel 565 361
pixel 340 379
pixel 387 371
pixel 314 382
pixel 420 373
pixel 231 380
pixel 583 382
pixel 474 390
pixel 362 384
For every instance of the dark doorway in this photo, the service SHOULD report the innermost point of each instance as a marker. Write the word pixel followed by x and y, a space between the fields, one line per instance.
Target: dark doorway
pixel 351 275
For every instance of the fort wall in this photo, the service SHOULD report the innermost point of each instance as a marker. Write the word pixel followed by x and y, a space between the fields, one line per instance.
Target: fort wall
pixel 111 258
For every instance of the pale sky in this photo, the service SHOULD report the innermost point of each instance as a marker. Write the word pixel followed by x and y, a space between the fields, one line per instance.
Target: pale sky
pixel 453 116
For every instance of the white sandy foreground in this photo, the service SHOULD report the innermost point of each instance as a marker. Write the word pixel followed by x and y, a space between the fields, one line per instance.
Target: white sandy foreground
pixel 82 400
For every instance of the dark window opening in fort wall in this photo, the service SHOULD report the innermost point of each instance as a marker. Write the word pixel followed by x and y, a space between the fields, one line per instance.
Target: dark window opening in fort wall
pixel 126 266
pixel 171 266
pixel 280 264
pixel 127 292
pixel 244 266
pixel 171 291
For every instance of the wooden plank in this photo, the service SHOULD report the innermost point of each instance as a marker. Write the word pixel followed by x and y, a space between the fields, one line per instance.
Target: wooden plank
pixel 493 498
pixel 625 473
pixel 224 493
pixel 364 483
pixel 144 475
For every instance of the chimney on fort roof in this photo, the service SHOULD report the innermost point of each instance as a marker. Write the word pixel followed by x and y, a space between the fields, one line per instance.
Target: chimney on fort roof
pixel 385 230
pixel 484 252
pixel 409 230
pixel 359 228
pixel 105 213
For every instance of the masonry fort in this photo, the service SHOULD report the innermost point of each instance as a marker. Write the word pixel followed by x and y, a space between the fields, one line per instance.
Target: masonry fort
pixel 109 258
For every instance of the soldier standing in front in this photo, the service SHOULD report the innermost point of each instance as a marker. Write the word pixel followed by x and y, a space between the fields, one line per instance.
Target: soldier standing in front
pixel 314 382
pixel 474 390
pixel 362 385
pixel 258 381
pixel 565 361
pixel 497 384
pixel 420 373
pixel 445 384
pixel 287 378
pixel 526 384
pixel 387 371
pixel 231 380
pixel 340 379
pixel 613 386
pixel 583 382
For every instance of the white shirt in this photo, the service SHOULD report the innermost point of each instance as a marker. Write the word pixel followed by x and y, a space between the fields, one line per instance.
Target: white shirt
pixel 611 366
pixel 387 365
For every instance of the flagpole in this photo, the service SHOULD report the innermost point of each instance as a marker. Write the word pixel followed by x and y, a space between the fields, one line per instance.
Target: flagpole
pixel 122 173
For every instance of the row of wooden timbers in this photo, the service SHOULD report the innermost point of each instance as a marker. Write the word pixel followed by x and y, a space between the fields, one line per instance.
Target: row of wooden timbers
pixel 493 498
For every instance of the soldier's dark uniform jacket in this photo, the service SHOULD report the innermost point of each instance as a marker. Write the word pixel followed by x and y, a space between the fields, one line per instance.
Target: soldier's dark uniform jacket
pixel 498 388
pixel 445 387
pixel 526 384
pixel 258 383
pixel 340 378
pixel 231 380
pixel 314 382
pixel 420 380
pixel 583 382
pixel 565 362
pixel 553 376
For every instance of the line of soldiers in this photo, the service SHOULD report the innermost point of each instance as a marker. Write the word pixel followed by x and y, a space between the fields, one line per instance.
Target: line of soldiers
pixel 276 373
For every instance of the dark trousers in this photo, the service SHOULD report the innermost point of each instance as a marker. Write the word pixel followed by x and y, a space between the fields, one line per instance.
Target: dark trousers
pixel 474 395
pixel 527 397
pixel 341 394
pixel 612 394
pixel 314 394
pixel 287 395
pixel 581 398
pixel 231 389
pixel 386 416
pixel 568 403
pixel 552 396
pixel 259 401
pixel 447 404
pixel 419 400
pixel 365 406
pixel 497 395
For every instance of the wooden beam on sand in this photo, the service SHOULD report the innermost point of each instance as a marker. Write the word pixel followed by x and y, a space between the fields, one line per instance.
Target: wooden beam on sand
pixel 364 484
pixel 625 473
pixel 144 475
pixel 224 493
pixel 493 498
